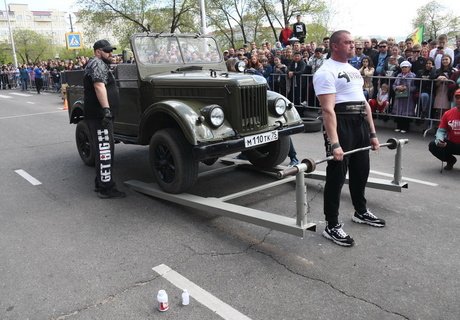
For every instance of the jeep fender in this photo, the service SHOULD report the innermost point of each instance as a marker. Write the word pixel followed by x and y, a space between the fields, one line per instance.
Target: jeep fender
pixel 172 113
pixel 76 111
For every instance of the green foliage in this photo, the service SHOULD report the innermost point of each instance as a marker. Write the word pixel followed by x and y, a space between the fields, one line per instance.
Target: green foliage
pixel 233 22
pixel 31 47
pixel 437 19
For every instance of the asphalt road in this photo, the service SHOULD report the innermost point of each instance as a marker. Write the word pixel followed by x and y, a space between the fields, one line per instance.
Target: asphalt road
pixel 66 254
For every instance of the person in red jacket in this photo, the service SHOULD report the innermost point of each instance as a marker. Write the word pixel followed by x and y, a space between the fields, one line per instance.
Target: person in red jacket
pixel 285 35
pixel 447 141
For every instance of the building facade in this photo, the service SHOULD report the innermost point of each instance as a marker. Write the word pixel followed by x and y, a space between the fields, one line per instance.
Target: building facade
pixel 52 24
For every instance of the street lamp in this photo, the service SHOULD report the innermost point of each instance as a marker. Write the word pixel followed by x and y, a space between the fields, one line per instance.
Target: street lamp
pixel 11 36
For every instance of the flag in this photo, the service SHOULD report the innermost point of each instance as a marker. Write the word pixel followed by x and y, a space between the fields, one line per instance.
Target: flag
pixel 417 34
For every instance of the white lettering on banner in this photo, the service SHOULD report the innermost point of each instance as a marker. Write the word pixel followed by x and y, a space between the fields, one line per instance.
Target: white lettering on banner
pixel 103 135
pixel 104 155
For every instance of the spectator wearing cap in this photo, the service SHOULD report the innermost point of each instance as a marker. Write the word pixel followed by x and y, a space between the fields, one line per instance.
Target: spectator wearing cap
pixel 226 55
pixel 447 140
pixel 101 102
pixel 403 105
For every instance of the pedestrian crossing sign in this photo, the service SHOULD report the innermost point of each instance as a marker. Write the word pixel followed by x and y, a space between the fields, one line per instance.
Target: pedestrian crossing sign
pixel 74 40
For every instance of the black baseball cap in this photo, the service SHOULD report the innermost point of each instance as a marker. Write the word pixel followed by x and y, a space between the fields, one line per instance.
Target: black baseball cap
pixel 104 45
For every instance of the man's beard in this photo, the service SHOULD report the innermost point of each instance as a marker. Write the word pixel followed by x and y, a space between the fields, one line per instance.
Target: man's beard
pixel 107 61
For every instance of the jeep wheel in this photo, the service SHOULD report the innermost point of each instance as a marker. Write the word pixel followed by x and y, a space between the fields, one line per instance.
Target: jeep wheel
pixel 270 155
pixel 171 161
pixel 85 146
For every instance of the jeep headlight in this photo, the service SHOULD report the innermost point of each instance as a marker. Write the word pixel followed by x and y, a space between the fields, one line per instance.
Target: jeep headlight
pixel 278 107
pixel 214 115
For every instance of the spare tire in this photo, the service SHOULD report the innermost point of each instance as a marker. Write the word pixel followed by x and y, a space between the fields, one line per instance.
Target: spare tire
pixel 312 124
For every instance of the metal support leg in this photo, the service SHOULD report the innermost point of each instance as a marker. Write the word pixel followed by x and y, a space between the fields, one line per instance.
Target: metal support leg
pixel 398 167
pixel 301 199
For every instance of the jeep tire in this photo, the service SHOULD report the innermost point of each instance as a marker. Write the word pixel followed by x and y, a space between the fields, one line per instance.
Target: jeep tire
pixel 171 161
pixel 84 143
pixel 270 155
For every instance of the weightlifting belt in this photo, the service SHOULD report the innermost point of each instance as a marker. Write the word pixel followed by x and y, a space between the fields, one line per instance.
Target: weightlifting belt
pixel 354 107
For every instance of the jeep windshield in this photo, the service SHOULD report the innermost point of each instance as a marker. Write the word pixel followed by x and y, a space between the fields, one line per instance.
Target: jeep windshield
pixel 175 50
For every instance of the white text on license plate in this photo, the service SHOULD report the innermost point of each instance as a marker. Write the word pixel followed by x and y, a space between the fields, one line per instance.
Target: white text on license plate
pixel 262 138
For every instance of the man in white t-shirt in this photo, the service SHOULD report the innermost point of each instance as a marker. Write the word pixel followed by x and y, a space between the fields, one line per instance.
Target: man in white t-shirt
pixel 438 52
pixel 348 125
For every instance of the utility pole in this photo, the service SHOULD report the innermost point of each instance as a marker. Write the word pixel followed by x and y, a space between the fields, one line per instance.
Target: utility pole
pixel 203 17
pixel 11 36
pixel 70 20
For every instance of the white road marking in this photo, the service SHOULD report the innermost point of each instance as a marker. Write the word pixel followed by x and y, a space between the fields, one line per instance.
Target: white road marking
pixel 431 184
pixel 6 97
pixel 30 102
pixel 21 94
pixel 199 294
pixel 28 177
pixel 29 115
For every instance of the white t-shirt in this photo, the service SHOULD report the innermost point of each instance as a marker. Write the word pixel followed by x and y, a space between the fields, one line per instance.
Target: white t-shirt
pixel 438 56
pixel 339 78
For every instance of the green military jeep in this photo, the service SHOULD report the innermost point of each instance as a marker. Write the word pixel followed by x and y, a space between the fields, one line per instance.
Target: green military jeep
pixel 179 99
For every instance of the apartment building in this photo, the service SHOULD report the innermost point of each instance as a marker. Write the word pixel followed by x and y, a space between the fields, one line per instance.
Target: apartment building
pixel 52 24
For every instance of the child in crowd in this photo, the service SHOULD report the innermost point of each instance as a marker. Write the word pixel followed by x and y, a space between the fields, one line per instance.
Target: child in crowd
pixel 381 103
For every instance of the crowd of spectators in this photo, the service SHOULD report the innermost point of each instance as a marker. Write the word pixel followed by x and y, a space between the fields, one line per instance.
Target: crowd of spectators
pixel 418 80
pixel 49 71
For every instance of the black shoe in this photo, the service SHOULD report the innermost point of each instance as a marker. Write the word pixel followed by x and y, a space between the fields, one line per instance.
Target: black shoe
pixel 337 235
pixel 450 164
pixel 368 218
pixel 111 194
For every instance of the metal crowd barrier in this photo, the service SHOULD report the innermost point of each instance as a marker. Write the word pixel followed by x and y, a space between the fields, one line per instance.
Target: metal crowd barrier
pixel 303 95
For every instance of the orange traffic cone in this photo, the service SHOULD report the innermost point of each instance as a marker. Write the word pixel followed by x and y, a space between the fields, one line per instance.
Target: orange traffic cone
pixel 66 107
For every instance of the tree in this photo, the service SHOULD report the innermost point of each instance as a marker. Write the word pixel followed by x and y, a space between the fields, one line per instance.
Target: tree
pixel 437 19
pixel 125 17
pixel 280 12
pixel 31 46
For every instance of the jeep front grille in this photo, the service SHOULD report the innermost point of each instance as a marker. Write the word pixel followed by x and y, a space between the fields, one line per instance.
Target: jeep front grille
pixel 253 102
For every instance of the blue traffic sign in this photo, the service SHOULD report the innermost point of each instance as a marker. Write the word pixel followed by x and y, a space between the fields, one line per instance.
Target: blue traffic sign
pixel 74 40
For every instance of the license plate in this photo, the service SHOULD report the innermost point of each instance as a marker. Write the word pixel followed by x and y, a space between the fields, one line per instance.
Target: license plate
pixel 261 138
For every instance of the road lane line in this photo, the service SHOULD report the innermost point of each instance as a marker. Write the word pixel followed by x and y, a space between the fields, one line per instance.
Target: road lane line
pixel 5 97
pixel 28 177
pixel 21 94
pixel 199 294
pixel 431 184
pixel 29 115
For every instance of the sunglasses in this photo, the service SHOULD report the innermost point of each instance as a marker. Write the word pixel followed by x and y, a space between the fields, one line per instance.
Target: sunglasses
pixel 359 48
pixel 107 50
pixel 382 46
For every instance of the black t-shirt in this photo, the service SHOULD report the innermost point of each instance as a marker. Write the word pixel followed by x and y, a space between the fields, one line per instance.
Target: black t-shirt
pixel 98 71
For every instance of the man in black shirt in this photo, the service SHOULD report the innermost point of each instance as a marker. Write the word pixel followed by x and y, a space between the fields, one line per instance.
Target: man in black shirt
pixel 300 30
pixel 101 104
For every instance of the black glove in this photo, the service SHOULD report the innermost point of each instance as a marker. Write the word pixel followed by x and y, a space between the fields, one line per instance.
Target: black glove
pixel 107 119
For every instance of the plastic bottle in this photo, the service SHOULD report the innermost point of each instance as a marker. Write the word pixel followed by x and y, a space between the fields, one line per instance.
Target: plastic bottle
pixel 162 298
pixel 185 298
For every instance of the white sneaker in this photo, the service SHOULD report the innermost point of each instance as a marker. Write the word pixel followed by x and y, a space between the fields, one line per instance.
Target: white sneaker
pixel 397 130
pixel 403 131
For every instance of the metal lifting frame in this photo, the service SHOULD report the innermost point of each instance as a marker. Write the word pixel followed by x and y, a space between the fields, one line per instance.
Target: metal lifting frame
pixel 296 226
